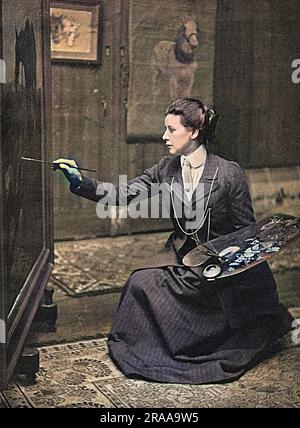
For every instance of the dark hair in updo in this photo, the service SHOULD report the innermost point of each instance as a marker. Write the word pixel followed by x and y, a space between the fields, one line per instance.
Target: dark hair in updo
pixel 196 115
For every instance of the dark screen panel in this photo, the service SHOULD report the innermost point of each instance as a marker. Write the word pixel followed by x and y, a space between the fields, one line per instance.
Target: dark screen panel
pixel 21 135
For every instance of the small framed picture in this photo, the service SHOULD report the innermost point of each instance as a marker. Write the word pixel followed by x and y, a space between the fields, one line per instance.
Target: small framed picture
pixel 75 28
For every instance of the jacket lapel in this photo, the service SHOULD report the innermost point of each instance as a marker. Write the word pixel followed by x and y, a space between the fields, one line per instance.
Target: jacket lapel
pixel 173 175
pixel 177 184
pixel 209 177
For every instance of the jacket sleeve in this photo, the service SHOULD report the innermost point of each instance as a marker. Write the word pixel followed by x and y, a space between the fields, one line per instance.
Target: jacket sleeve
pixel 240 203
pixel 135 190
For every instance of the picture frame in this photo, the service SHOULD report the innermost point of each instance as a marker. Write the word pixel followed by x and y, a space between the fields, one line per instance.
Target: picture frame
pixel 76 31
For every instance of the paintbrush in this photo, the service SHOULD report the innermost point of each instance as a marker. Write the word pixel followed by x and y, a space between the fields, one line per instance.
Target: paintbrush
pixel 51 163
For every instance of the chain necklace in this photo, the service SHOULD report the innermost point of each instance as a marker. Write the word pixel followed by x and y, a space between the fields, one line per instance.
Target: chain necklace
pixel 207 212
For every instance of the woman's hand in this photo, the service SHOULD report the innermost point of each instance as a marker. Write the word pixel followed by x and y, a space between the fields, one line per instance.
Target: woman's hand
pixel 70 170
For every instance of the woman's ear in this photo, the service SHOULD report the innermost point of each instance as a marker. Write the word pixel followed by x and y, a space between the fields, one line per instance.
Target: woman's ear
pixel 195 134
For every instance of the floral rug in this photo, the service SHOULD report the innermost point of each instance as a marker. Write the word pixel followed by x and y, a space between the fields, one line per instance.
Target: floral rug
pixel 96 266
pixel 102 265
pixel 81 374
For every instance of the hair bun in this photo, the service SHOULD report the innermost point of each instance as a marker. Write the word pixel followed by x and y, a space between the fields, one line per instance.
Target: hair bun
pixel 212 117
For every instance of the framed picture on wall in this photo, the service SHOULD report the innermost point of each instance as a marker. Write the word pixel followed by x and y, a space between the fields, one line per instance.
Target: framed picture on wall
pixel 171 47
pixel 76 29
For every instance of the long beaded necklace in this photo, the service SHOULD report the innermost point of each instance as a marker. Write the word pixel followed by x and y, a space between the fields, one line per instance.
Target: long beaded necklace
pixel 207 212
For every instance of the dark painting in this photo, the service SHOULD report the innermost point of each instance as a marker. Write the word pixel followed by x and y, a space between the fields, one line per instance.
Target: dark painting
pixel 25 197
pixel 21 135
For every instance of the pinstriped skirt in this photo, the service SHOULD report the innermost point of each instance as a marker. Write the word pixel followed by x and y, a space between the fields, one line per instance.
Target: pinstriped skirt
pixel 170 327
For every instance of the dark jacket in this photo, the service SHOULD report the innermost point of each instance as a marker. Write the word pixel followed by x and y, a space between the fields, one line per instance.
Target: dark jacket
pixel 226 195
pixel 244 297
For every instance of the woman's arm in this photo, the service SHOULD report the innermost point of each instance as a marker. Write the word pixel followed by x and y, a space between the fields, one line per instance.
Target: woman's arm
pixel 134 190
pixel 124 193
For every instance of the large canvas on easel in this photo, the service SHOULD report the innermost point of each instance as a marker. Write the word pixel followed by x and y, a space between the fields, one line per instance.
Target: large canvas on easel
pixel 21 135
pixel 25 219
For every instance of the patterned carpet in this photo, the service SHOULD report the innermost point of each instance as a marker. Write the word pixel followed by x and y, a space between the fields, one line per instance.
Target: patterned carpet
pixel 81 375
pixel 102 265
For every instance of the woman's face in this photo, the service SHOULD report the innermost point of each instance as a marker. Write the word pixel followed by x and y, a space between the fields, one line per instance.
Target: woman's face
pixel 179 139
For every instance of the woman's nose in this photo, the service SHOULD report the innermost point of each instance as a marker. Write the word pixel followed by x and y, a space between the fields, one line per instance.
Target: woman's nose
pixel 164 137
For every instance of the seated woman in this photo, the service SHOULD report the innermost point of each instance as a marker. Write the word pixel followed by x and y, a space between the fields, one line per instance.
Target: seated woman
pixel 171 326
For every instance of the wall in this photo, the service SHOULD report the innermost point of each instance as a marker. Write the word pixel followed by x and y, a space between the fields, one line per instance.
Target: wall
pixel 259 105
pixel 85 127
pixel 244 68
pixel 90 111
pixel 275 190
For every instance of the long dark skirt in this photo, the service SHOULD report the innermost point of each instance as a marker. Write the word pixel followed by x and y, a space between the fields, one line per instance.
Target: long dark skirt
pixel 171 327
